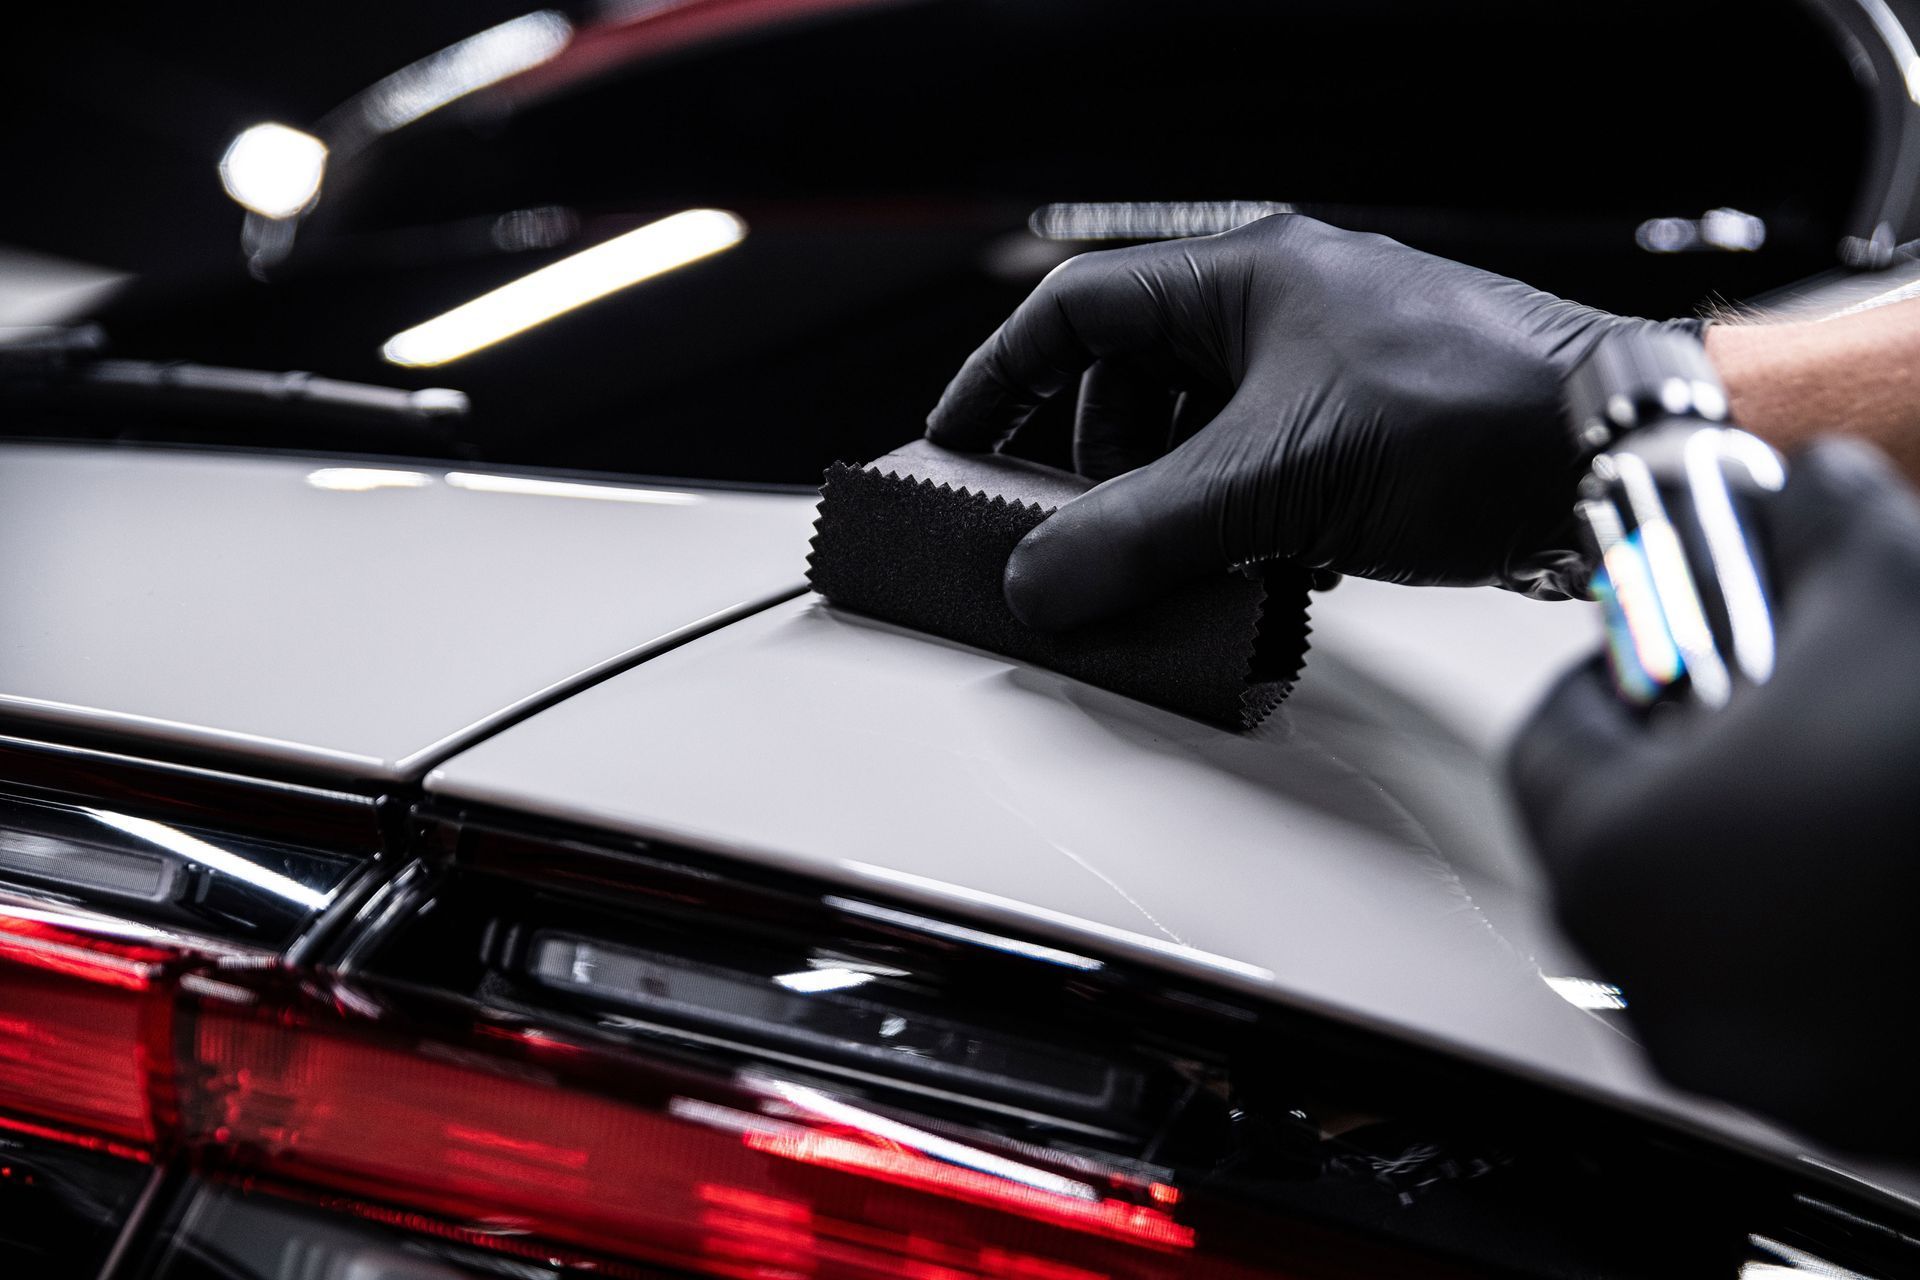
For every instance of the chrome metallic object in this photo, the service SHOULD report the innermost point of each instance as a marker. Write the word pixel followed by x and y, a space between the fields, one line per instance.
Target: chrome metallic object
pixel 1668 511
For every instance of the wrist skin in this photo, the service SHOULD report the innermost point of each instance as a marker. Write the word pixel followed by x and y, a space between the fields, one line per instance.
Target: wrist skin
pixel 1856 375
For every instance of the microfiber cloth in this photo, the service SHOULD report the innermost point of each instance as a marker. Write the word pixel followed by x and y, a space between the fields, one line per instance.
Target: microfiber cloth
pixel 921 538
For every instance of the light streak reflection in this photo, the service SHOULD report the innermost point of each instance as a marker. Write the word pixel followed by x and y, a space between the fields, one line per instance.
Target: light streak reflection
pixel 566 285
pixel 1679 597
pixel 480 60
pixel 225 861
pixel 1727 545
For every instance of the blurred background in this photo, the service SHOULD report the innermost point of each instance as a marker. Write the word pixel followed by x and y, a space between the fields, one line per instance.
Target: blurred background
pixel 324 187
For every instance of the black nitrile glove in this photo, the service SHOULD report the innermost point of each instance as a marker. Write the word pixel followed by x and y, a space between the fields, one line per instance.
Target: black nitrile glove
pixel 1336 399
pixel 1751 877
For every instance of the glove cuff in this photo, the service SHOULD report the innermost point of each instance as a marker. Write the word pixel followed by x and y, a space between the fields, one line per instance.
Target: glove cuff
pixel 1557 569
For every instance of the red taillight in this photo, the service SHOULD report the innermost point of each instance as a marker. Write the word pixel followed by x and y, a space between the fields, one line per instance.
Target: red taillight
pixel 1115 1220
pixel 84 1037
pixel 444 1130
pixel 515 1136
pixel 504 1137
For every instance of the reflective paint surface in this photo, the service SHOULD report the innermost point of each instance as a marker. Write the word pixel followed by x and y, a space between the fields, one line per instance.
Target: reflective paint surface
pixel 1354 855
pixel 1355 851
pixel 237 605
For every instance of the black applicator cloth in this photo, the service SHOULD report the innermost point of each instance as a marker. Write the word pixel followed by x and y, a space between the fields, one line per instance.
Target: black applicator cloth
pixel 921 538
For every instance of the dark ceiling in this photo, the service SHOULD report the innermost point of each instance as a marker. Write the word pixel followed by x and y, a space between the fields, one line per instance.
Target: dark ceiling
pixel 112 118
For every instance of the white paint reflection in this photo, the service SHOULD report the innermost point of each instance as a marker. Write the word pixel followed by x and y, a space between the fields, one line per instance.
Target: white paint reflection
pixel 1148 219
pixel 813 981
pixel 815 1103
pixel 224 861
pixel 1900 293
pixel 560 287
pixel 274 170
pixel 107 926
pixel 960 933
pixel 209 988
pixel 533 487
pixel 365 479
pixel 459 69
pixel 1789 1261
pixel 1585 993
pixel 993 902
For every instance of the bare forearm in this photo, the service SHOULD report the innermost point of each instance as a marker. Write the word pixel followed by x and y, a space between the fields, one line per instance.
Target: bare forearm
pixel 1856 375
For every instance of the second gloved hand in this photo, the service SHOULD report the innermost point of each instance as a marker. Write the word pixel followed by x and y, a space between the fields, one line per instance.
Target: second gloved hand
pixel 1749 876
pixel 1286 390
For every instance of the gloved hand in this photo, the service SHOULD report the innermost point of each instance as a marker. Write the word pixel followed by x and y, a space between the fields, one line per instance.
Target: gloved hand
pixel 1343 401
pixel 1751 877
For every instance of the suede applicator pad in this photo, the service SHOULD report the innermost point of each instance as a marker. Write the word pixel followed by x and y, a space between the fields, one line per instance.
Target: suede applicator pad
pixel 921 538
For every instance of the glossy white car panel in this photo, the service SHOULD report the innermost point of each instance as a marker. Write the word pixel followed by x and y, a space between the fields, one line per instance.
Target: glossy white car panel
pixel 1353 852
pixel 341 619
pixel 1354 855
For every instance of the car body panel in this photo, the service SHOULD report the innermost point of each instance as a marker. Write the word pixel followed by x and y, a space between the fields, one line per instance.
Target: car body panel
pixel 1352 854
pixel 635 659
pixel 314 616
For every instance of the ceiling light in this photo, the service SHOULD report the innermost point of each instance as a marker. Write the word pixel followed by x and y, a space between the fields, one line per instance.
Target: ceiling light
pixel 560 287
pixel 274 170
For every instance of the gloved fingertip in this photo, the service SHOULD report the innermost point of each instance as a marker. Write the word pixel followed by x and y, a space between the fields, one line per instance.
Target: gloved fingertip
pixel 942 433
pixel 953 428
pixel 1031 583
pixel 977 412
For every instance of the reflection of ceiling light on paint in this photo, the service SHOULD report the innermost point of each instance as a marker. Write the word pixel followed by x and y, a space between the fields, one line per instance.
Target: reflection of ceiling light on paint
pixel 363 479
pixel 1148 219
pixel 194 849
pixel 812 981
pixel 1585 993
pixel 530 487
pixel 104 925
pixel 274 170
pixel 1725 230
pixel 560 287
pixel 1785 1260
pixel 460 69
pixel 960 933
pixel 886 1129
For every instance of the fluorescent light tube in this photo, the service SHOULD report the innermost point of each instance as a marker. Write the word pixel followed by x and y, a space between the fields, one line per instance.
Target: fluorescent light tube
pixel 560 287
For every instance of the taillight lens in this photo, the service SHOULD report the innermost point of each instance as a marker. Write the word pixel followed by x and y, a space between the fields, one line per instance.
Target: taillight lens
pixel 85 1040
pixel 415 1111
pixel 516 1135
